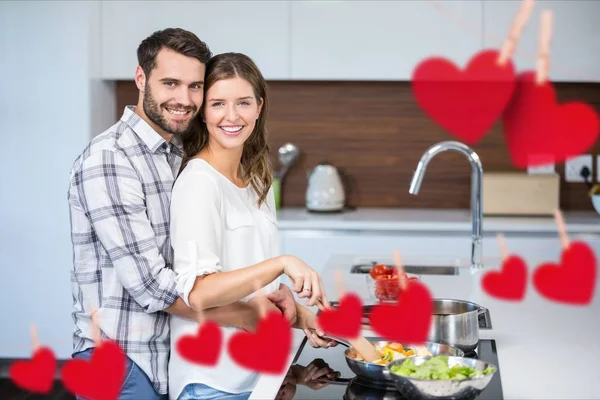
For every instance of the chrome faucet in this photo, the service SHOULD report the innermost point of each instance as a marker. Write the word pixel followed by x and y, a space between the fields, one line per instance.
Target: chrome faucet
pixel 476 189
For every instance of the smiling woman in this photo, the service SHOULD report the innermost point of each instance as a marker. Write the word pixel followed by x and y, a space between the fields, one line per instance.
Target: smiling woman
pixel 233 117
pixel 224 227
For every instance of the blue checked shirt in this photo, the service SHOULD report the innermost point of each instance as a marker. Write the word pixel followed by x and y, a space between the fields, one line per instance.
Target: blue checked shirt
pixel 119 194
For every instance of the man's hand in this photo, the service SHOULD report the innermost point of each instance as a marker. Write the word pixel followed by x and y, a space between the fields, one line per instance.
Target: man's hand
pixel 261 303
pixel 284 300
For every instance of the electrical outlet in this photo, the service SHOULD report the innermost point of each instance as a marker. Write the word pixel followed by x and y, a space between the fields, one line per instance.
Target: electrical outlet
pixel 574 166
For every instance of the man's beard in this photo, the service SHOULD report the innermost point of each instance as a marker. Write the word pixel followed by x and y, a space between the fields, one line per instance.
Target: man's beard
pixel 153 112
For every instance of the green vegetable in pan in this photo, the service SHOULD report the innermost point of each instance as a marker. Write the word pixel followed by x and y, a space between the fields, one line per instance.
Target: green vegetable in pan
pixel 436 368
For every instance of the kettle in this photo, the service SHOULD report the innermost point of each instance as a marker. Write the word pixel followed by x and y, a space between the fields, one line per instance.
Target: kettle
pixel 325 191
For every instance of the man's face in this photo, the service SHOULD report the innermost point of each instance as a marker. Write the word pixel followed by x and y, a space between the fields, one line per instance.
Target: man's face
pixel 173 93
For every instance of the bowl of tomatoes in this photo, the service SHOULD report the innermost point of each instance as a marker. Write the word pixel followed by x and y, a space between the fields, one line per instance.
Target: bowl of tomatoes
pixel 384 284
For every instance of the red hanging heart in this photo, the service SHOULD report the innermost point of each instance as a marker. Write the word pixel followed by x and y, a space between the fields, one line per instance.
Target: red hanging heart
pixel 510 283
pixel 408 321
pixel 466 102
pixel 344 321
pixel 538 130
pixel 573 281
pixel 203 348
pixel 100 378
pixel 267 349
pixel 36 375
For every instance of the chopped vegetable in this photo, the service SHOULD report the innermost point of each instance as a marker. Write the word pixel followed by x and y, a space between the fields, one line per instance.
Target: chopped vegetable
pixel 396 347
pixel 436 368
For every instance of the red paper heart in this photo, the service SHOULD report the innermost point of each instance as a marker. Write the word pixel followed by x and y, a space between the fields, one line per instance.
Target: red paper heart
pixel 409 320
pixel 538 131
pixel 343 321
pixel 510 283
pixel 573 280
pixel 100 378
pixel 464 102
pixel 267 349
pixel 203 348
pixel 36 375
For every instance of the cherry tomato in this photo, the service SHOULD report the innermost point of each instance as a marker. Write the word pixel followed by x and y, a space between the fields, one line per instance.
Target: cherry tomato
pixel 378 270
pixel 381 296
pixel 393 291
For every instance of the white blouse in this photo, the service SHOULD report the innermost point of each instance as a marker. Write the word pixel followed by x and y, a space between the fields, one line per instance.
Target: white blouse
pixel 215 226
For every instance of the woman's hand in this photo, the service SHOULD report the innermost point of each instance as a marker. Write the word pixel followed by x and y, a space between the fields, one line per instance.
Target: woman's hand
pixel 307 321
pixel 305 281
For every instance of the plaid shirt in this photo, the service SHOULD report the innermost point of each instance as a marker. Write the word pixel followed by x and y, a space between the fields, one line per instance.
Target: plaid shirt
pixel 119 194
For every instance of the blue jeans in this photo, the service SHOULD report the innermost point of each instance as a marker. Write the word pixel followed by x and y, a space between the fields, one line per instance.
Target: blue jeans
pixel 199 391
pixel 136 385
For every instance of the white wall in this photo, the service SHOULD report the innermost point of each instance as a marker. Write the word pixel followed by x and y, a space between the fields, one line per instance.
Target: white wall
pixel 49 58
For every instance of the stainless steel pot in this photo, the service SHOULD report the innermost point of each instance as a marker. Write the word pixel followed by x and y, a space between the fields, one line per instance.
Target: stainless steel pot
pixel 457 323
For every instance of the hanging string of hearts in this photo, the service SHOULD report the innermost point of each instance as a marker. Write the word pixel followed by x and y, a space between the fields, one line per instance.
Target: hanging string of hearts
pixel 203 348
pixel 99 378
pixel 409 320
pixel 406 321
pixel 35 375
pixel 571 281
pixel 468 102
pixel 510 283
pixel 256 351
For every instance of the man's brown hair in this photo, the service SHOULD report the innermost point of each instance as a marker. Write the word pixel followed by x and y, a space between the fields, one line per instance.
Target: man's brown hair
pixel 176 39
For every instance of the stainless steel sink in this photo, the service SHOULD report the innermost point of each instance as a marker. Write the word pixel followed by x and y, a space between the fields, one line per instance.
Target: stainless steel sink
pixel 411 269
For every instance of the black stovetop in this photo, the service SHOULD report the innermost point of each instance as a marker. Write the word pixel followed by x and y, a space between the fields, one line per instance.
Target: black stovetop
pixel 342 383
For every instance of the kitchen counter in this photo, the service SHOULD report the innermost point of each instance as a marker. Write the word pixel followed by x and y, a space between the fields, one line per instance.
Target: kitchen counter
pixel 545 350
pixel 395 219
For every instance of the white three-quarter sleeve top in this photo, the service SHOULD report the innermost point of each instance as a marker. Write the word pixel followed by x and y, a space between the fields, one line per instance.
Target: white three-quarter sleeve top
pixel 215 226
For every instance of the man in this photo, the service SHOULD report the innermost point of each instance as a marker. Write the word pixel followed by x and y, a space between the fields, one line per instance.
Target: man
pixel 119 196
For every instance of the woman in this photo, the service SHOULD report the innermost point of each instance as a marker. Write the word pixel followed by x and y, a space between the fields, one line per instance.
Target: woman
pixel 223 224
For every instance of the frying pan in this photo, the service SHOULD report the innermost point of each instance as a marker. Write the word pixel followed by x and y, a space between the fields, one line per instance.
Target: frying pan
pixel 377 374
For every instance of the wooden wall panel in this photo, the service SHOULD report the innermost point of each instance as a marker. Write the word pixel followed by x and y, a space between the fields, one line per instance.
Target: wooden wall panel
pixel 376 131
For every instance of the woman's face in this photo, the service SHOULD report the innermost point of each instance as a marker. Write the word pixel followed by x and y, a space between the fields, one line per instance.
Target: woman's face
pixel 231 112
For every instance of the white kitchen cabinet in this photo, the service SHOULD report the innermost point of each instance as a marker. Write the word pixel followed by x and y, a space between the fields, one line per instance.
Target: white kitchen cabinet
pixel 574 51
pixel 379 40
pixel 260 29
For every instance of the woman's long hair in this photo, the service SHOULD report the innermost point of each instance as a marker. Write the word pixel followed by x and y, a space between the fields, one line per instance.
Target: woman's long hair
pixel 256 164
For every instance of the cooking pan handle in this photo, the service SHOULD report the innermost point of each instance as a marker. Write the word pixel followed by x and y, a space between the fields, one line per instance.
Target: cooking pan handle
pixel 483 315
pixel 336 339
